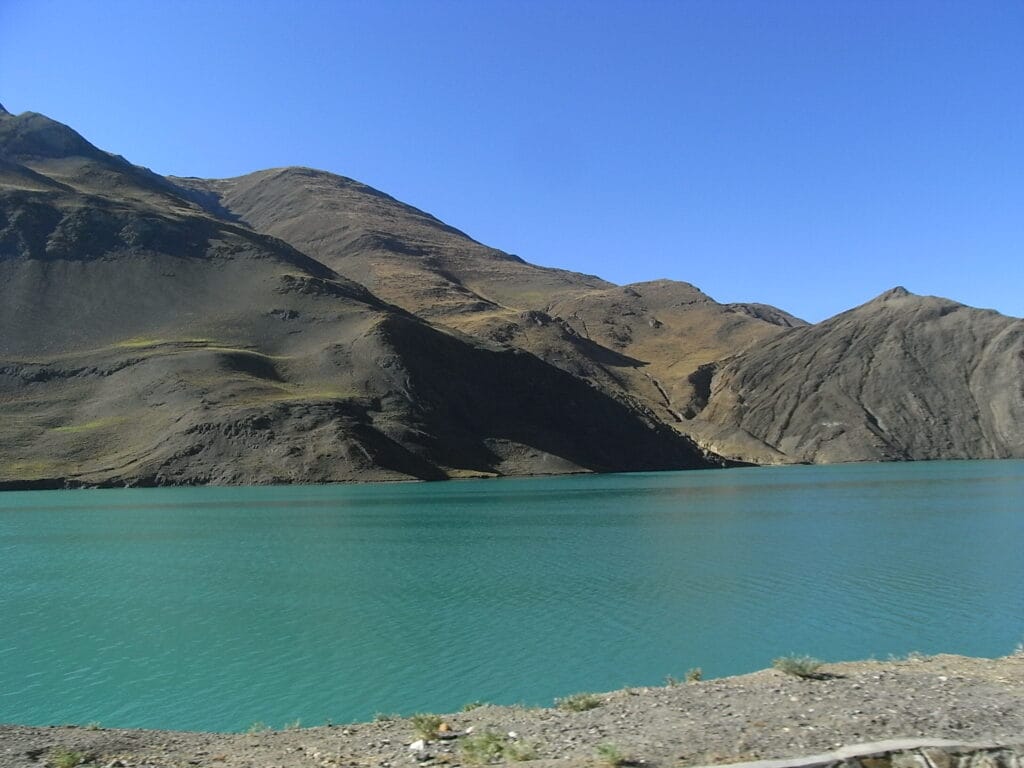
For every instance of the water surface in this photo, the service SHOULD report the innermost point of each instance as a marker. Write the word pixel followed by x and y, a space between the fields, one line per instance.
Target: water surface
pixel 212 608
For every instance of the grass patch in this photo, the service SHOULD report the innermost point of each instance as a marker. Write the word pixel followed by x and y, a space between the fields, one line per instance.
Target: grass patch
pixel 489 747
pixel 67 758
pixel 520 751
pixel 89 425
pixel 694 675
pixel 30 469
pixel 141 342
pixel 610 755
pixel 469 706
pixel 385 717
pixel 579 702
pixel 482 748
pixel 425 725
pixel 804 667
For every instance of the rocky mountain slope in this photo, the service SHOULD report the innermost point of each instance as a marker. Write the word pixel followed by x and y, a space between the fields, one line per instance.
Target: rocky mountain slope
pixel 147 340
pixel 296 326
pixel 901 377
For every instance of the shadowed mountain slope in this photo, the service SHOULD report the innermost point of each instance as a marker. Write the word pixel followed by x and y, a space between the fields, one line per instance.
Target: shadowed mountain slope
pixel 147 339
pixel 644 343
pixel 663 347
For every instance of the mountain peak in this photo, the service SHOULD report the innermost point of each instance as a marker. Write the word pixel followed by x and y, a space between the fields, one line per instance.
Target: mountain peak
pixel 31 134
pixel 899 292
pixel 3 111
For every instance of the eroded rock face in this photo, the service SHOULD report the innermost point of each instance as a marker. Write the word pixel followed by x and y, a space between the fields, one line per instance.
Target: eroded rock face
pixel 902 377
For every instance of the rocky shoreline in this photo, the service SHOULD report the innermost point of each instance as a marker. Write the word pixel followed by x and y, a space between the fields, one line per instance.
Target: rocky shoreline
pixel 764 715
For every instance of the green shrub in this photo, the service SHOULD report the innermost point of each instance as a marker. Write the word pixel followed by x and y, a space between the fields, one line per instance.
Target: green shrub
pixel 694 675
pixel 489 747
pixel 469 706
pixel 482 748
pixel 610 755
pixel 520 751
pixel 426 724
pixel 66 758
pixel 806 667
pixel 578 702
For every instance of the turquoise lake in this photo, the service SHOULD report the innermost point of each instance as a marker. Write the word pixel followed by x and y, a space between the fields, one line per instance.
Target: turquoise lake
pixel 214 608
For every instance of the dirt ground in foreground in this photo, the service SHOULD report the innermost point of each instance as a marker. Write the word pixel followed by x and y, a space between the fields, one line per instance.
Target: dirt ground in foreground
pixel 767 714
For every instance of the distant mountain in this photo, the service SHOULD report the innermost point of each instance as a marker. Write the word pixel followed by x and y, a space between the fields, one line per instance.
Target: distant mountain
pixel 296 326
pixel 901 377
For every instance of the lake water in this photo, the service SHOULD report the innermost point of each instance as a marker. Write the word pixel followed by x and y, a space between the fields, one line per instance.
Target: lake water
pixel 213 608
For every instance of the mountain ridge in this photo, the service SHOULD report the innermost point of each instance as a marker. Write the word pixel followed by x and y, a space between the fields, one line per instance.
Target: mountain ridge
pixel 293 325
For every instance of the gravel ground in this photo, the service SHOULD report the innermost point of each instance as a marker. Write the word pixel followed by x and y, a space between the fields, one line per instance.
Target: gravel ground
pixel 767 714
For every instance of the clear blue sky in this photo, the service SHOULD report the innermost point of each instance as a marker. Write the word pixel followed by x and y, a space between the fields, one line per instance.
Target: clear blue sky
pixel 805 154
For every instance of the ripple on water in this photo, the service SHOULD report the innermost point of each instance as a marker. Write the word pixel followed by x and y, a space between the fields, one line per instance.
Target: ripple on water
pixel 212 608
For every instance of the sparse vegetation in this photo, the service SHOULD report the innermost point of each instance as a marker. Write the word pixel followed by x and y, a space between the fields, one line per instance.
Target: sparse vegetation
pixel 487 747
pixel 385 717
pixel 469 706
pixel 293 726
pixel 89 425
pixel 482 748
pixel 521 751
pixel 579 702
pixel 693 675
pixel 67 758
pixel 425 725
pixel 805 667
pixel 259 727
pixel 610 755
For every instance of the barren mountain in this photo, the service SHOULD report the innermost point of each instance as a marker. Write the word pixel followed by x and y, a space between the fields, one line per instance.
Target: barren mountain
pixel 296 326
pixel 646 343
pixel 901 377
pixel 147 340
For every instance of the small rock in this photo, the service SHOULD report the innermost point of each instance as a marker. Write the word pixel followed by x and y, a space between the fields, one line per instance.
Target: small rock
pixel 513 735
pixel 418 746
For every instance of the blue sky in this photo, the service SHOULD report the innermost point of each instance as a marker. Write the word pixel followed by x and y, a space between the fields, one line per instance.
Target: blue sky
pixel 806 154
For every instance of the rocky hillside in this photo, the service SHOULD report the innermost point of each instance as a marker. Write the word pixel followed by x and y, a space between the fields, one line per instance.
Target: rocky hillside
pixel 296 326
pixel 147 339
pixel 901 377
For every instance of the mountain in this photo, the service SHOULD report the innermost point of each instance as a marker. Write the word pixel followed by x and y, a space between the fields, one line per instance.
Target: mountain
pixel 643 343
pixel 146 339
pixel 900 377
pixel 292 325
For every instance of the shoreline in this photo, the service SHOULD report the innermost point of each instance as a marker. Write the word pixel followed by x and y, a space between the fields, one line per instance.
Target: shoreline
pixel 765 715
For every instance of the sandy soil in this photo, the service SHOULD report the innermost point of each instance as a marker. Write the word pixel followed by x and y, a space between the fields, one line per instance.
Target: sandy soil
pixel 766 714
